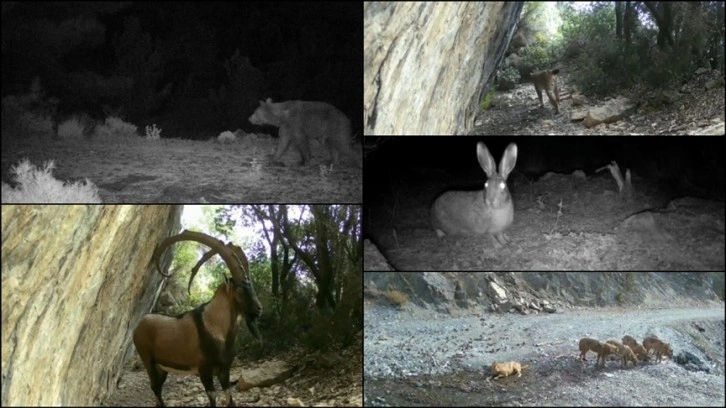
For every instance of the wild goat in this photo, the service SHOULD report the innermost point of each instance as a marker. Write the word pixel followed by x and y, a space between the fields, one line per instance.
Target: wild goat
pixel 200 341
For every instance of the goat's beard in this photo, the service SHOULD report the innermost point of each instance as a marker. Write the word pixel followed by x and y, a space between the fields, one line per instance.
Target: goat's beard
pixel 251 324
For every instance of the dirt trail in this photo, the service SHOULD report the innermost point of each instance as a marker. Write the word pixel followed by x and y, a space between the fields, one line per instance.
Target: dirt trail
pixel 416 357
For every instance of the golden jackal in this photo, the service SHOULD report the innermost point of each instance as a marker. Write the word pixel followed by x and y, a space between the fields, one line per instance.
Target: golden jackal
pixel 659 347
pixel 301 121
pixel 602 349
pixel 498 370
pixel 625 352
pixel 637 348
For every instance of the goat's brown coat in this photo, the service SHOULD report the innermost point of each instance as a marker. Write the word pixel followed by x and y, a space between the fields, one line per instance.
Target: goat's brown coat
pixel 200 341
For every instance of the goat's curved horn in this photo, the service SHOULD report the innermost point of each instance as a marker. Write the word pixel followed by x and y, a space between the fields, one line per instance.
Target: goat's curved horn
pixel 200 341
pixel 156 257
pixel 240 257
pixel 231 254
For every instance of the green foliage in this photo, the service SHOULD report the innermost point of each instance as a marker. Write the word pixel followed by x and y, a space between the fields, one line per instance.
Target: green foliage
pixel 540 22
pixel 260 272
pixel 186 255
pixel 620 298
pixel 221 219
pixel 539 57
pixel 330 236
pixel 542 17
pixel 509 74
pixel 592 73
pixel 599 21
pixel 666 68
pixel 593 49
pixel 287 320
pixel 630 280
pixel 606 63
pixel 487 101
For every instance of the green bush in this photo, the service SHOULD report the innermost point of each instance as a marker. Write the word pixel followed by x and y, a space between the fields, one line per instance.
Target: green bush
pixel 487 101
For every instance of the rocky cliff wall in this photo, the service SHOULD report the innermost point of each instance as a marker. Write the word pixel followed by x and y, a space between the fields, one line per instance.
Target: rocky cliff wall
pixel 75 280
pixel 528 292
pixel 427 64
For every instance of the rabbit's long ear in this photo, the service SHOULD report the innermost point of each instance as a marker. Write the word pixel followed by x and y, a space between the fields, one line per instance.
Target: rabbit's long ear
pixel 508 160
pixel 486 161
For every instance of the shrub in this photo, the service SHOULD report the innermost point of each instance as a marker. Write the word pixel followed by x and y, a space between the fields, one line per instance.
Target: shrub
pixel 17 120
pixel 397 298
pixel 153 132
pixel 37 185
pixel 78 126
pixel 30 113
pixel 116 128
pixel 325 171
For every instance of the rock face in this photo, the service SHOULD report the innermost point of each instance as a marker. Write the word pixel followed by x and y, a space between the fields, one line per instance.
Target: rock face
pixel 532 292
pixel 426 64
pixel 374 260
pixel 75 280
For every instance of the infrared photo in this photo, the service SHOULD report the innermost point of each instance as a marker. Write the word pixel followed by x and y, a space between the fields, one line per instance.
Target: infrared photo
pixel 193 102
pixel 534 203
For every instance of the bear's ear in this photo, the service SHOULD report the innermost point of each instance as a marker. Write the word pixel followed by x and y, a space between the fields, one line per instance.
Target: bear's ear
pixel 269 100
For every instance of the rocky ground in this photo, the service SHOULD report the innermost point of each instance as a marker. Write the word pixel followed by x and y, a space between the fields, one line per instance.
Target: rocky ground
pixel 414 357
pixel 313 381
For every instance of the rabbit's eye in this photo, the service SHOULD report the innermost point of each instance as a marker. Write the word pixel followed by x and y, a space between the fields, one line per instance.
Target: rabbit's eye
pixel 486 184
pixel 502 185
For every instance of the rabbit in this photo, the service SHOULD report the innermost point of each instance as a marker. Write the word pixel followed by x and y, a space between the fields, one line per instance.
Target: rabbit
pixel 479 212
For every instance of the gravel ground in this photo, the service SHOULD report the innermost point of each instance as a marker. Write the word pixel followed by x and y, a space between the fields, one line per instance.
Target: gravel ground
pixel 417 357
